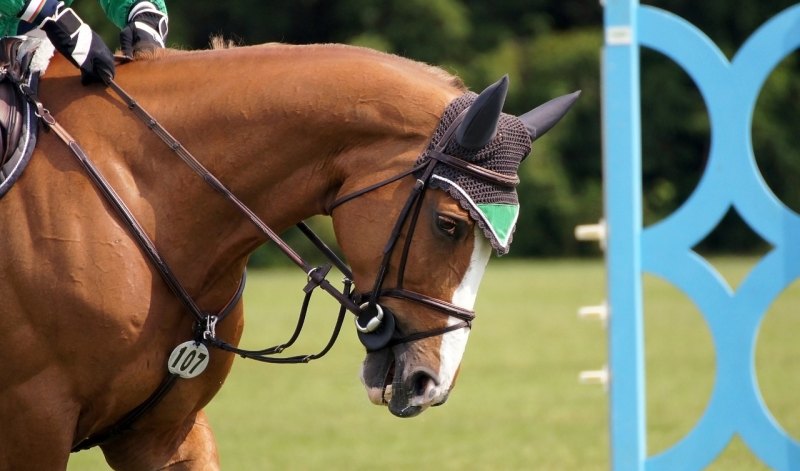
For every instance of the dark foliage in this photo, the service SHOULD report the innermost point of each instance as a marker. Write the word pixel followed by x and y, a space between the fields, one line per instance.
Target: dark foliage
pixel 548 48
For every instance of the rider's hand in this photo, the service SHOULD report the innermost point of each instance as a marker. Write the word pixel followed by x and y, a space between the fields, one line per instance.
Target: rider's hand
pixel 83 47
pixel 146 29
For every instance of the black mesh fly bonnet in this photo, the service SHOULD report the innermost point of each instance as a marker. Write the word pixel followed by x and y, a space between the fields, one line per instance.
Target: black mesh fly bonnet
pixel 494 208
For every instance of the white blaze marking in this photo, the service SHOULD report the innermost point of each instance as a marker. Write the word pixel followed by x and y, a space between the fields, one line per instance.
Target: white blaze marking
pixel 467 291
pixel 454 343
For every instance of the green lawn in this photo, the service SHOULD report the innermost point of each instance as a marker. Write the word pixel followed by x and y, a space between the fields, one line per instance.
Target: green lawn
pixel 517 405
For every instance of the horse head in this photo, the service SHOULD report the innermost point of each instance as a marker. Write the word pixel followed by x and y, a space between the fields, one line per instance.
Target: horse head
pixel 419 277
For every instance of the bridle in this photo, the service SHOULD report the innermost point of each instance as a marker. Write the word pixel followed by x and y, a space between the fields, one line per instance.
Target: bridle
pixel 376 324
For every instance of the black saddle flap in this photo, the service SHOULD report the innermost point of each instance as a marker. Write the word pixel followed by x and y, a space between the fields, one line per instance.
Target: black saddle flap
pixel 18 123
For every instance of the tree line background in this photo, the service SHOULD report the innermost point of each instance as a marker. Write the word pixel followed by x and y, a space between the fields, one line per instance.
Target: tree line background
pixel 548 48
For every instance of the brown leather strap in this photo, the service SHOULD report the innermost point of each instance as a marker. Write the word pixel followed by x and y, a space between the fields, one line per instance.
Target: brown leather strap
pixel 211 180
pixel 122 210
pixel 428 333
pixel 476 170
pixel 435 303
pixel 357 193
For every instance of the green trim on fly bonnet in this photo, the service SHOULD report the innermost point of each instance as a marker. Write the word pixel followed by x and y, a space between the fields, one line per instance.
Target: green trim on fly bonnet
pixel 493 207
pixel 502 219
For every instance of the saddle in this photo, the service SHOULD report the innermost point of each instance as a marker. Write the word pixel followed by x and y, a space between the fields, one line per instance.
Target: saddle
pixel 18 119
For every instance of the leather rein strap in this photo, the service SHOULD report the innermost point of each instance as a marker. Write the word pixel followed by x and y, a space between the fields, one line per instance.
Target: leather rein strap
pixel 314 273
pixel 204 322
pixel 118 205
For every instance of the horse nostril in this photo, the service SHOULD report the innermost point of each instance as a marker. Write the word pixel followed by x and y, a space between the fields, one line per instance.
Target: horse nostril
pixel 424 385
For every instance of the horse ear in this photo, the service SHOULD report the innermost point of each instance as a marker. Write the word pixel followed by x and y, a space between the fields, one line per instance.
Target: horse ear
pixel 480 123
pixel 540 119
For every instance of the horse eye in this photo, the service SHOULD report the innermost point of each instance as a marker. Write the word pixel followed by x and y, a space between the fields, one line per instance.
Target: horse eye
pixel 448 225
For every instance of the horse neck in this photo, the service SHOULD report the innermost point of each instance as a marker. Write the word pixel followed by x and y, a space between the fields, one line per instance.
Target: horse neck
pixel 286 138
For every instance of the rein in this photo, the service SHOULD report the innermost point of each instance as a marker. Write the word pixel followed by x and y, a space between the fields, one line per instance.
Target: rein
pixel 204 322
pixel 316 275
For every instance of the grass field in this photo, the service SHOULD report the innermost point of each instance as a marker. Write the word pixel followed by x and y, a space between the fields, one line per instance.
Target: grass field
pixel 517 404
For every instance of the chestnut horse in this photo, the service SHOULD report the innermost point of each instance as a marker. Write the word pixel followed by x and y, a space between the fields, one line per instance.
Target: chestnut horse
pixel 88 323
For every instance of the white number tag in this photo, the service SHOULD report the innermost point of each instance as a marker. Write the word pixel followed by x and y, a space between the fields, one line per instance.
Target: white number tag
pixel 188 360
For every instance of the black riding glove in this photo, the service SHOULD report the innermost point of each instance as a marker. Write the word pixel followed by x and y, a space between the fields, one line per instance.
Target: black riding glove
pixel 83 47
pixel 146 30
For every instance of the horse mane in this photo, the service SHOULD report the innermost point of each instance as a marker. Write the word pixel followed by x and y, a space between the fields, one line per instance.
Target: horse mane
pixel 217 43
pixel 435 71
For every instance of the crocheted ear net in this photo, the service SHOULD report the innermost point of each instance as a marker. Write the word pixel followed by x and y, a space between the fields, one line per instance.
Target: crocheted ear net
pixel 494 208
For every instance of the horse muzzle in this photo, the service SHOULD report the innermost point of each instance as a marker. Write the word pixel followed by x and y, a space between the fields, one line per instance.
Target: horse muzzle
pixel 407 390
pixel 395 372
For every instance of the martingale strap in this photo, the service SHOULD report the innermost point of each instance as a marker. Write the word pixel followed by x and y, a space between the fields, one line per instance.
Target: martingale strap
pixel 128 419
pixel 131 417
